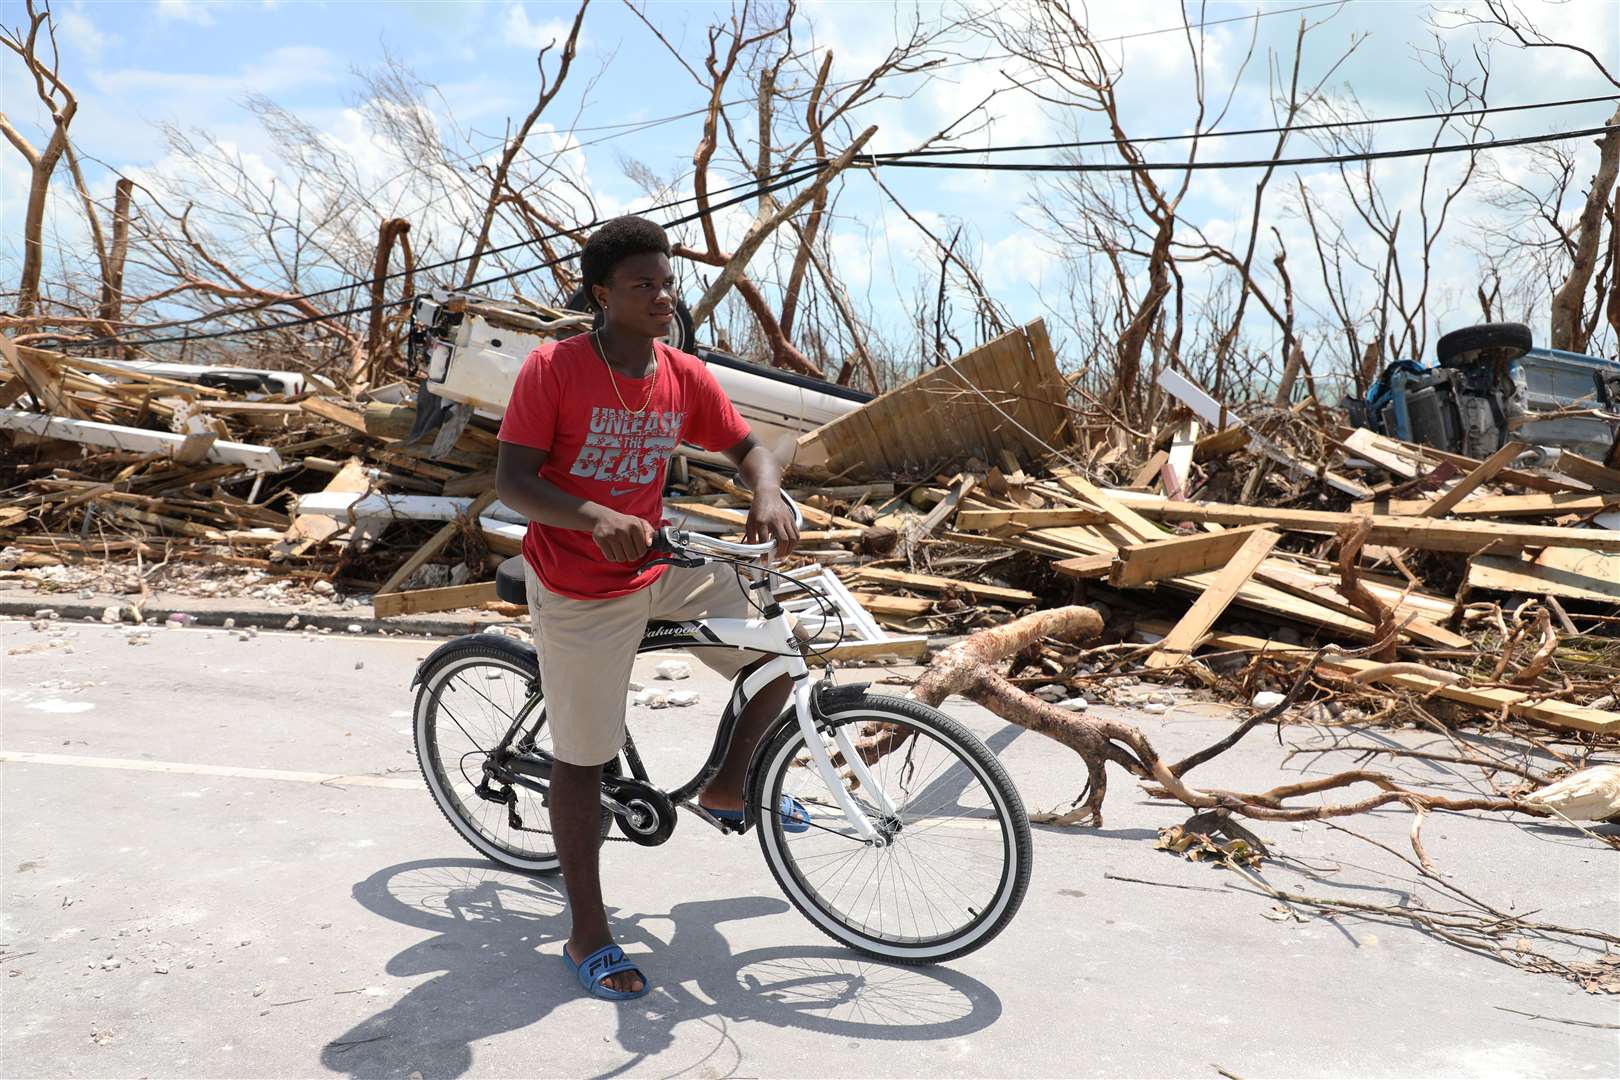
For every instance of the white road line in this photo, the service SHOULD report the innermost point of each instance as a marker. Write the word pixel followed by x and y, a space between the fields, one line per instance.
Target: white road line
pixel 399 783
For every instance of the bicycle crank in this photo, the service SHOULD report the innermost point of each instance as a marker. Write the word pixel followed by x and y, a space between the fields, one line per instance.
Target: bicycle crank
pixel 645 814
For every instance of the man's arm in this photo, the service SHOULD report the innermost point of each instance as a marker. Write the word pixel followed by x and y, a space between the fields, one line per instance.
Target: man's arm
pixel 768 516
pixel 621 537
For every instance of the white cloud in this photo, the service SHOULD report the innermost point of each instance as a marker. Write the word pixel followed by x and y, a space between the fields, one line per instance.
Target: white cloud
pixel 516 29
pixel 79 31
pixel 187 11
pixel 286 68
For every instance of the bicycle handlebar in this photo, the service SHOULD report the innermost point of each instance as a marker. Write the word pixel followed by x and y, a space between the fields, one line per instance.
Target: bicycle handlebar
pixel 670 540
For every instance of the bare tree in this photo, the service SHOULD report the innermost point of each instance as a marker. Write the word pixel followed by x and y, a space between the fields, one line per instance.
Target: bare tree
pixel 62 105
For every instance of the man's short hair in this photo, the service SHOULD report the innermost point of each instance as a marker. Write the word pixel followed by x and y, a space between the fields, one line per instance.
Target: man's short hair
pixel 614 242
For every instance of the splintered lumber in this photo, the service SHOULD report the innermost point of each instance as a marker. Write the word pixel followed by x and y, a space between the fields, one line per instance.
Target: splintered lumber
pixel 328 410
pixel 977 520
pixel 1086 566
pixel 1217 415
pixel 1140 564
pixel 119 437
pixel 1115 510
pixel 906 607
pixel 1185 636
pixel 1502 506
pixel 1486 472
pixel 1574 575
pixel 1516 477
pixel 1491 700
pixel 1585 470
pixel 310 529
pixel 1004 395
pixel 1424 534
pixel 931 583
pixel 44 384
pixel 387 605
pixel 434 545
pixel 1365 443
pixel 943 509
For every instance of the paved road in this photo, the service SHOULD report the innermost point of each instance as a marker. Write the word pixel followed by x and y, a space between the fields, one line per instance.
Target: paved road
pixel 172 909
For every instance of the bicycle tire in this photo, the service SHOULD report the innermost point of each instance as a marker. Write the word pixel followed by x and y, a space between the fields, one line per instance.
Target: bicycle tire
pixel 440 781
pixel 1006 808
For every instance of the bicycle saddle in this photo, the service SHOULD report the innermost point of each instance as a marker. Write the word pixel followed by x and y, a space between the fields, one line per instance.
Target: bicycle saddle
pixel 509 583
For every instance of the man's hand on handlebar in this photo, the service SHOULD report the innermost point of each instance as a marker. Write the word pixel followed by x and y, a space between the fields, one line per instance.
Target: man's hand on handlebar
pixel 770 518
pixel 621 537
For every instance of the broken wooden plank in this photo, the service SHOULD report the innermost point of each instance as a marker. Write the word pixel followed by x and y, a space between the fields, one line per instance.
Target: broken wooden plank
pixel 947 506
pixel 1594 475
pixel 1184 637
pixel 310 529
pixel 1517 477
pixel 1144 477
pixel 449 598
pixel 193 450
pixel 435 544
pixel 1364 442
pixel 1085 566
pixel 1492 700
pixel 1577 575
pixel 1217 415
pixel 247 455
pixel 1142 564
pixel 1425 534
pixel 1115 510
pixel 910 607
pixel 1486 472
pixel 1502 506
pixel 932 583
pixel 1005 394
pixel 330 410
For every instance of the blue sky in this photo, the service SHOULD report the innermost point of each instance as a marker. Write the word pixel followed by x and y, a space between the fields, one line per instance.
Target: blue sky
pixel 137 64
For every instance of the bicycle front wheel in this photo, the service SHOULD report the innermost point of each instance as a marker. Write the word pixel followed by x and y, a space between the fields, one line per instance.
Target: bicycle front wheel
pixel 956 857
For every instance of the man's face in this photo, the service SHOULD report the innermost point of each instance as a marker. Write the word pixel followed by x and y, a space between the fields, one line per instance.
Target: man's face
pixel 639 296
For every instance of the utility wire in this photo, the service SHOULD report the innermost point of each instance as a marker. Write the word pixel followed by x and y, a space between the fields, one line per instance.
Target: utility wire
pixel 753 191
pixel 957 151
pixel 904 160
pixel 1201 166
pixel 897 158
pixel 793 173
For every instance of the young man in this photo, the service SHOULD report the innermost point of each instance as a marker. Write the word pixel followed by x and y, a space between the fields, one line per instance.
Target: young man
pixel 584 445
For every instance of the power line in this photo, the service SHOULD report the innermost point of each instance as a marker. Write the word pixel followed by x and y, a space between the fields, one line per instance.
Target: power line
pixel 755 190
pixel 1212 166
pixel 955 151
pixel 792 174
pixel 899 160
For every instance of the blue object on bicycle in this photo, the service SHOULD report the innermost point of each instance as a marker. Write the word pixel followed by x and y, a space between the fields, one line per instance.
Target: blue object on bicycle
pixel 795 817
pixel 593 972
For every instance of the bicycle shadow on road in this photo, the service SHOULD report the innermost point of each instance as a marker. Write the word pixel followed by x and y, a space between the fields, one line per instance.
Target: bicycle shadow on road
pixel 498 935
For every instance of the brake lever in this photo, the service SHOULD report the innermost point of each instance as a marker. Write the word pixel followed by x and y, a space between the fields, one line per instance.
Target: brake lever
pixel 672 560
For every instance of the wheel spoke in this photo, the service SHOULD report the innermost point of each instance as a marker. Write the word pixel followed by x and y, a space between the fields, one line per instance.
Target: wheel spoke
pixel 946 860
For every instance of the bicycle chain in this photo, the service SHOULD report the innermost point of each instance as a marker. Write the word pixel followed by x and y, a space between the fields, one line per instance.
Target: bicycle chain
pixel 514 820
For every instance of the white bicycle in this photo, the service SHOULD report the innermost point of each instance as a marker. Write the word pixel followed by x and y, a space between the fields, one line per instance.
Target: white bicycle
pixel 917 848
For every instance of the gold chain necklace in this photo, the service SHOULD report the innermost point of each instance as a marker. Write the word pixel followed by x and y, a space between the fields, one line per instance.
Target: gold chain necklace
pixel 597 341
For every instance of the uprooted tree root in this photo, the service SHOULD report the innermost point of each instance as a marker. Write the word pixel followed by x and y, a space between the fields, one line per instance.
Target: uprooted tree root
pixel 966 669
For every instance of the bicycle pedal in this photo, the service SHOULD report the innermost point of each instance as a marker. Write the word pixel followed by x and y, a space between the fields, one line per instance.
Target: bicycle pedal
pixel 725 827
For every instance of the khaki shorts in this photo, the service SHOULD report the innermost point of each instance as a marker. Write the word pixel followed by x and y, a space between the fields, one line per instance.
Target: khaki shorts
pixel 587 647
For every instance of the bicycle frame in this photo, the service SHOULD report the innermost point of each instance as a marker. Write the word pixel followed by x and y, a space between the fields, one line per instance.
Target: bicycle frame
pixel 771 634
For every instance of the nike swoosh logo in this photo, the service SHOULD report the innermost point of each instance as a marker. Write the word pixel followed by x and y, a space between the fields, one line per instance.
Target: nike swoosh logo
pixel 615 492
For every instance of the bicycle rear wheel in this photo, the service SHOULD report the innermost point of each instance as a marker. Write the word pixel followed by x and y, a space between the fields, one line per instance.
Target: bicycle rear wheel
pixel 467 703
pixel 956 861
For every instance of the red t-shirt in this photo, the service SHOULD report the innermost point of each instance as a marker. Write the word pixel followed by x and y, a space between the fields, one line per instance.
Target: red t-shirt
pixel 564 403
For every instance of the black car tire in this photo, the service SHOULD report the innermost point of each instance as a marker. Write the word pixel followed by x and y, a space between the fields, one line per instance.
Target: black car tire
pixel 1458 347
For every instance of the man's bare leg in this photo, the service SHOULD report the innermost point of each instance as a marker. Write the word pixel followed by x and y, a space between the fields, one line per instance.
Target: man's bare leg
pixel 724 791
pixel 576 808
